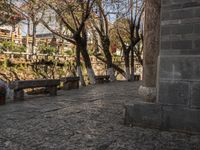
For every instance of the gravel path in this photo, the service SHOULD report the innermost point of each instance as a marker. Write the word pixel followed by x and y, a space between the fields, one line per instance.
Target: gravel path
pixel 90 118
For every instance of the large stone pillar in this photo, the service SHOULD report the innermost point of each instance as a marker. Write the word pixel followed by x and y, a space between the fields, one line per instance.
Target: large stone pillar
pixel 178 96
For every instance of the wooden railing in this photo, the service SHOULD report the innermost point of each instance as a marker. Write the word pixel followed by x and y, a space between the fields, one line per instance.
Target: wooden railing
pixel 12 55
pixel 19 39
pixel 38 56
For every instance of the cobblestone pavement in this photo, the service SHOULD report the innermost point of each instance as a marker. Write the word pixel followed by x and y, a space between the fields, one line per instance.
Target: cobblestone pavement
pixel 90 118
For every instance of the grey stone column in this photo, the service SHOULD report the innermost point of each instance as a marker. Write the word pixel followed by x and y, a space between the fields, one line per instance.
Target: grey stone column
pixel 178 84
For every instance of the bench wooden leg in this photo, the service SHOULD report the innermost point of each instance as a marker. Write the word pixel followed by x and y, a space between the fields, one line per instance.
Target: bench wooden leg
pixel 18 95
pixel 99 81
pixel 71 85
pixel 77 84
pixel 66 85
pixel 52 90
pixel 106 80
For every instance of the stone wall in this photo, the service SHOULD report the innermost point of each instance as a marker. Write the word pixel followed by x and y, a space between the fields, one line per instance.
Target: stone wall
pixel 179 66
pixel 179 74
pixel 178 84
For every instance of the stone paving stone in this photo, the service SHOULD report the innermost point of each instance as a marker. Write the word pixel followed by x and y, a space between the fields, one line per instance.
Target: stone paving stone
pixel 90 118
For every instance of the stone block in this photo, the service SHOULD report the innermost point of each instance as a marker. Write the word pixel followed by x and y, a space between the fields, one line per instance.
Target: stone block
pixel 163 117
pixel 181 119
pixel 165 16
pixel 143 114
pixel 195 94
pixel 179 4
pixel 165 45
pixel 181 14
pixel 197 28
pixel 197 12
pixel 169 52
pixel 197 44
pixel 164 2
pixel 178 67
pixel 183 9
pixel 191 4
pixel 175 2
pixel 182 29
pixel 182 44
pixel 165 30
pixel 174 92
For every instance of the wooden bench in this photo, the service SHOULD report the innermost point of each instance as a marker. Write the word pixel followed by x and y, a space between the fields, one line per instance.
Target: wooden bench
pixel 102 79
pixel 19 86
pixel 70 83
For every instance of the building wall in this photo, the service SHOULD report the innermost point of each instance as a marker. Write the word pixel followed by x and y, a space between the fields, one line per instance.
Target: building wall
pixel 178 99
pixel 179 69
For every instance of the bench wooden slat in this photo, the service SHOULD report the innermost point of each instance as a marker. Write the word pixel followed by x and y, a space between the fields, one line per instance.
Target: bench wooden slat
pixel 18 86
pixel 23 84
pixel 65 79
pixel 102 76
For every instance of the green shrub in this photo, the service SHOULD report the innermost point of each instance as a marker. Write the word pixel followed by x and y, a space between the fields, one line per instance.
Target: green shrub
pixel 19 49
pixel 6 45
pixel 11 46
pixel 47 49
pixel 69 52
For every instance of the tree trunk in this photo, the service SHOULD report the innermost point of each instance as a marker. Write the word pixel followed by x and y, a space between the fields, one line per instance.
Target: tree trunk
pixel 78 65
pixel 127 67
pixel 27 39
pixel 88 65
pixel 106 50
pixel 82 44
pixel 132 64
pixel 151 47
pixel 116 67
pixel 34 38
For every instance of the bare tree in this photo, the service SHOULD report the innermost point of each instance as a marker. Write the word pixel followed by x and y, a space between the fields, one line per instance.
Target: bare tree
pixel 6 12
pixel 35 12
pixel 130 27
pixel 101 23
pixel 73 15
pixel 102 58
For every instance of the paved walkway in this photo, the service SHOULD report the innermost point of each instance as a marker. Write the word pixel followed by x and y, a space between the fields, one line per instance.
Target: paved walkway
pixel 90 118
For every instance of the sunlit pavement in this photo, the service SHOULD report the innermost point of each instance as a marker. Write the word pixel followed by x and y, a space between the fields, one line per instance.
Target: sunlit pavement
pixel 85 119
